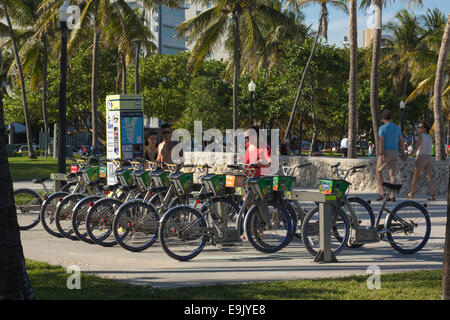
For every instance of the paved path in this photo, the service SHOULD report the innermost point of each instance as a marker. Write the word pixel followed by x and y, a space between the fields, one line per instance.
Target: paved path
pixel 232 264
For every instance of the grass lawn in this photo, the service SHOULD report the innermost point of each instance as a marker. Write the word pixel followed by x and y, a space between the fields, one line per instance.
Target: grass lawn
pixel 25 169
pixel 49 282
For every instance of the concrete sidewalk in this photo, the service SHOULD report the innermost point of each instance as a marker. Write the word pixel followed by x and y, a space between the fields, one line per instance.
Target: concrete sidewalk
pixel 235 264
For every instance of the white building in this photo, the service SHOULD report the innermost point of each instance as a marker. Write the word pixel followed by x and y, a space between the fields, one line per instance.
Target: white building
pixel 162 22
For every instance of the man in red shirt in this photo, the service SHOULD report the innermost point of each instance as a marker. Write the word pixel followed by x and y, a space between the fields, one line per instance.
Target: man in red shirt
pixel 257 152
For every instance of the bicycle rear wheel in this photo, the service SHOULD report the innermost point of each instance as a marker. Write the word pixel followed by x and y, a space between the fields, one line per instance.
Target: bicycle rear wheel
pixel 182 233
pixel 409 227
pixel 28 207
pixel 339 231
pixel 268 234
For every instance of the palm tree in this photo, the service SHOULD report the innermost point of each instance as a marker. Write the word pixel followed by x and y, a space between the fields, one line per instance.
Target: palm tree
pixel 353 82
pixel 239 22
pixel 34 50
pixel 6 4
pixel 322 30
pixel 14 281
pixel 376 55
pixel 438 85
pixel 424 64
pixel 267 56
pixel 405 38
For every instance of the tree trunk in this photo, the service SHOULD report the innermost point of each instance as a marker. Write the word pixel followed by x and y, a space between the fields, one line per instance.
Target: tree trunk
pixel 31 154
pixel 353 82
pixel 136 69
pixel 119 75
pixel 439 128
pixel 302 81
pixel 314 136
pixel 14 281
pixel 94 93
pixel 374 78
pixel 446 263
pixel 124 74
pixel 44 82
pixel 236 67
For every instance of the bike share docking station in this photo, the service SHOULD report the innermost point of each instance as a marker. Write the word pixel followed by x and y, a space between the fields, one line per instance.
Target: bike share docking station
pixel 325 202
pixel 124 130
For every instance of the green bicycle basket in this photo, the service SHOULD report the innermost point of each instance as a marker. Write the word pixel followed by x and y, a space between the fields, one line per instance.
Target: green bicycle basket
pixel 183 181
pixel 328 186
pixel 160 178
pixel 124 176
pixel 90 174
pixel 215 183
pixel 143 178
pixel 261 186
pixel 283 183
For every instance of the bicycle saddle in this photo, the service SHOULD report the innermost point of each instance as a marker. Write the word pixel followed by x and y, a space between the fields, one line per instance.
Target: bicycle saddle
pixel 392 186
pixel 40 180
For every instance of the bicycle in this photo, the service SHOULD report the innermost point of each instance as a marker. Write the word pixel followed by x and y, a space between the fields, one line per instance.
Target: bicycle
pixel 135 223
pixel 29 202
pixel 133 182
pixel 185 230
pixel 88 182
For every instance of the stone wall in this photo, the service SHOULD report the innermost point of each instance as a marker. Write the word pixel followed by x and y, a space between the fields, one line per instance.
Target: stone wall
pixel 321 168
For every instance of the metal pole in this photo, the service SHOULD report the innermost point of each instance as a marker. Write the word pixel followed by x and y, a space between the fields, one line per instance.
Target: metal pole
pixel 251 107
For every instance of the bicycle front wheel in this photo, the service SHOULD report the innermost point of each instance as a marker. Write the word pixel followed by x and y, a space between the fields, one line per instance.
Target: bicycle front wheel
pixel 182 233
pixel 48 213
pixel 135 225
pixel 268 232
pixel 79 214
pixel 63 217
pixel 28 207
pixel 409 227
pixel 99 221
pixel 340 229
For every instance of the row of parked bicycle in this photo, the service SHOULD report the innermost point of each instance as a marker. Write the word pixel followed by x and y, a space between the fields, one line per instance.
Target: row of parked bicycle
pixel 154 201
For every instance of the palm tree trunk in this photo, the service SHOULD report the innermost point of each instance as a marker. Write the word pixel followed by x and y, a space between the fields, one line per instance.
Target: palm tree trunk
pixel 236 67
pixel 124 74
pixel 31 154
pixel 44 82
pixel 314 136
pixel 14 281
pixel 439 128
pixel 136 69
pixel 302 81
pixel 446 263
pixel 119 75
pixel 374 78
pixel 94 88
pixel 353 82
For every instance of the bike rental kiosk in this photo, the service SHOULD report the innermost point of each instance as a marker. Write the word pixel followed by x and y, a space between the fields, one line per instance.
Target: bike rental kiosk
pixel 124 130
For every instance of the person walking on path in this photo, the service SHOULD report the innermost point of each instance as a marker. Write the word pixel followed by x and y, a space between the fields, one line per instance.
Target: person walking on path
pixel 391 142
pixel 423 162
pixel 344 146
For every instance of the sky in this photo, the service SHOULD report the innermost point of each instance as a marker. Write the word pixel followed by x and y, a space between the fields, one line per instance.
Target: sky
pixel 338 22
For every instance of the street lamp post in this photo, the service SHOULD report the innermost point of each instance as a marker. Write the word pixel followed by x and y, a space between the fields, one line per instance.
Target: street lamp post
pixel 251 89
pixel 63 18
pixel 402 110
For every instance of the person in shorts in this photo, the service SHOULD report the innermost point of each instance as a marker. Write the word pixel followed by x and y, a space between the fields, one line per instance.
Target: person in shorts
pixel 424 159
pixel 391 143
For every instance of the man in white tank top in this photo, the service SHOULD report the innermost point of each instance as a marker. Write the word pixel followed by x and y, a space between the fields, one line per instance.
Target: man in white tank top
pixel 424 161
